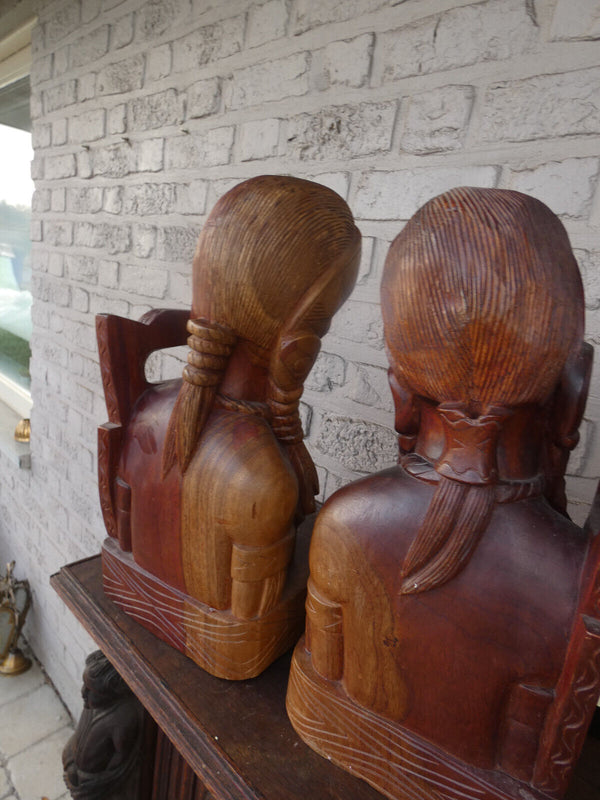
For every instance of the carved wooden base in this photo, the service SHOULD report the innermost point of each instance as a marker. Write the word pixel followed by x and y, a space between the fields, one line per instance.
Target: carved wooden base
pixel 395 761
pixel 223 645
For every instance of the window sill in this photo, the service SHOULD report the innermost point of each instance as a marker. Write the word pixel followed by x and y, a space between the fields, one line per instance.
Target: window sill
pixel 18 453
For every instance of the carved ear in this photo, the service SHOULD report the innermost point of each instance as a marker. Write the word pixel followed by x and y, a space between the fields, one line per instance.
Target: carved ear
pixel 407 413
pixel 293 359
pixel 570 398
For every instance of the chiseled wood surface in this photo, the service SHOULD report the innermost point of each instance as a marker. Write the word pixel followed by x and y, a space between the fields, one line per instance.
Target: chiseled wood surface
pixel 234 735
pixel 204 481
pixel 452 643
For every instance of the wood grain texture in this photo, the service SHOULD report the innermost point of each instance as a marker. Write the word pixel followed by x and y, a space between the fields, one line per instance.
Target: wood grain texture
pixel 208 478
pixel 452 603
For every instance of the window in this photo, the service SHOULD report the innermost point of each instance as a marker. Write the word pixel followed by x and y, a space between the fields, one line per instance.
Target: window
pixel 16 189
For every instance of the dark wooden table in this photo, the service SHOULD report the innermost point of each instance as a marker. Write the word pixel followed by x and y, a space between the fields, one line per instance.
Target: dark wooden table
pixel 235 736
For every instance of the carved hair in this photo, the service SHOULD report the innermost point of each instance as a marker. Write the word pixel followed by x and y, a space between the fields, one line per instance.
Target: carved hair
pixel 275 260
pixel 106 679
pixel 482 304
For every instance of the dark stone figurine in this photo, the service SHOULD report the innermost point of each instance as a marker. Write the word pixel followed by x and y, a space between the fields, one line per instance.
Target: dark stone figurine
pixel 101 759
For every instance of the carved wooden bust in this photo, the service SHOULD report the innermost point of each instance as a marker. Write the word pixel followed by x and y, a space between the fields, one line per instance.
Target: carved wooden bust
pixel 205 481
pixel 452 644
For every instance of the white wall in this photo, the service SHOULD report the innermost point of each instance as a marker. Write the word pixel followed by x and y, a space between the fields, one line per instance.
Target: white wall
pixel 146 112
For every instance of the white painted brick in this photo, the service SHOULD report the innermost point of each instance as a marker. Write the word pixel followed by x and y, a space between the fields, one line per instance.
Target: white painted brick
pixel 90 47
pixel 58 234
pixel 345 63
pixel 589 266
pixel 108 274
pixel 369 386
pixel 111 238
pixel 90 9
pixel 113 199
pixel 398 194
pixel 150 155
pixel 207 44
pixel 61 62
pixel 271 80
pixel 177 243
pixel 472 34
pixel 567 187
pixel 139 280
pixel 41 135
pixel 87 127
pixel 342 132
pixel 84 164
pixel 59 131
pixel 116 119
pixel 62 22
pixel 437 120
pixel 309 14
pixel 82 268
pixel 576 20
pixel 359 322
pixel 338 181
pixel 121 77
pixel 43 68
pixel 86 87
pixel 357 445
pixel 197 150
pixel 121 32
pixel 114 161
pixel 158 63
pixel 259 139
pixel 190 198
pixel 58 201
pixel 41 200
pixel 56 265
pixel 156 17
pixel 266 22
pixel 203 98
pixel 542 107
pixel 38 165
pixel 60 96
pixel 84 200
pixel 328 371
pixel 155 111
pixel 143 241
pixel 149 198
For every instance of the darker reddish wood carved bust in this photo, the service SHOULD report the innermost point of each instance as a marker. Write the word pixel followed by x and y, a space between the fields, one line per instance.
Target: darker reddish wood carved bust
pixel 452 644
pixel 204 481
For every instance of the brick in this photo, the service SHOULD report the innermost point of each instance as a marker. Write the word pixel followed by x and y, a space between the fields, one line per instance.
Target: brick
pixel 90 47
pixel 90 9
pixel 111 238
pixel 203 98
pixel 37 169
pixel 59 131
pixel 87 127
pixel 60 295
pixel 460 37
pixel 345 63
pixel 43 69
pixel 158 63
pixel 41 200
pixel 575 20
pixel 108 274
pixel 546 106
pixel 155 111
pixel 143 241
pixel 113 199
pixel 60 96
pixel 150 155
pixel 83 269
pixel 337 181
pixel 589 266
pixel 567 187
pixel 329 371
pixel 63 21
pixel 369 386
pixel 308 14
pixel 357 445
pixel 114 161
pixel 271 80
pixel 177 243
pixel 191 197
pixel 36 104
pixel 266 22
pixel 398 194
pixel 58 234
pixel 116 119
pixel 58 201
pixel 41 135
pixel 85 200
pixel 141 280
pixel 121 77
pixel 36 230
pixel 61 61
pixel 121 32
pixel 359 322
pixel 56 265
pixel 436 121
pixel 86 87
pixel 158 16
pixel 209 44
pixel 84 164
pixel 197 150
pixel 342 132
pixel 259 139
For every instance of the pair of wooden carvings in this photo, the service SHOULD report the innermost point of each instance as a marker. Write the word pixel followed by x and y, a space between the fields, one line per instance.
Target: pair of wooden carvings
pixel 205 482
pixel 452 645
pixel 101 760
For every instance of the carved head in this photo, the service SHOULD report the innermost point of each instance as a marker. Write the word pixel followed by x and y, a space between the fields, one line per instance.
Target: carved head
pixel 102 684
pixel 275 260
pixel 482 305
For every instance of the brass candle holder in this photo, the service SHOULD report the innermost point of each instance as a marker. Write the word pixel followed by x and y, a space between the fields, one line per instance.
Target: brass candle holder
pixel 15 600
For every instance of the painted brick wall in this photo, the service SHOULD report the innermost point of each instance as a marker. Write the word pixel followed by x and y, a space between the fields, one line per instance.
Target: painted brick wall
pixel 146 112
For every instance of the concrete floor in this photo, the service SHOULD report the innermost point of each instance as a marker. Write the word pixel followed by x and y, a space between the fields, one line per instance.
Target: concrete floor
pixel 34 727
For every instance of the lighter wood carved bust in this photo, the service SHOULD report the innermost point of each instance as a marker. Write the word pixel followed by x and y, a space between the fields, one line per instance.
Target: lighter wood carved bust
pixel 204 481
pixel 452 644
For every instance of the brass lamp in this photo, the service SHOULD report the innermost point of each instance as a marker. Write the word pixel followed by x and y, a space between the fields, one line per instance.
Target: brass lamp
pixel 15 600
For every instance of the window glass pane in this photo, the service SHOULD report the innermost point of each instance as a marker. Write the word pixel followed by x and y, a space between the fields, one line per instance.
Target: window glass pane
pixel 16 189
